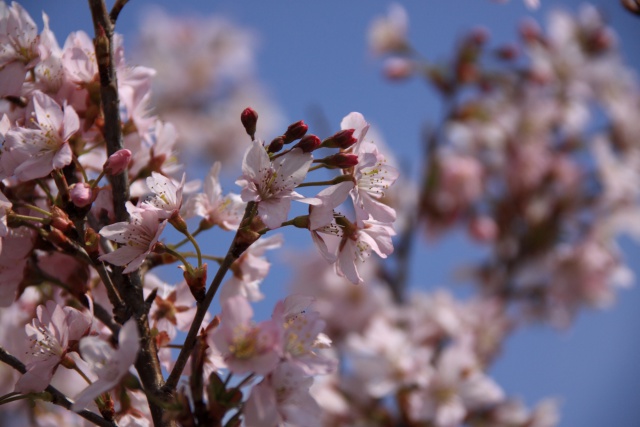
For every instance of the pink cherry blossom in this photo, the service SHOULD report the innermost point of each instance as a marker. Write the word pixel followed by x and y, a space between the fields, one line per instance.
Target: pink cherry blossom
pixel 109 364
pixel 357 243
pixel 43 147
pixel 283 399
pixel 372 174
pixel 51 335
pixel 167 199
pixel 13 262
pixel 303 334
pixel 246 346
pixel 138 236
pixel 388 34
pixel 458 386
pixel 272 184
pixel 225 212
pixel 250 270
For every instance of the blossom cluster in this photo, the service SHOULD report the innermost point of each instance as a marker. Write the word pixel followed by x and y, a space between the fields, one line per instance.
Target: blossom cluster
pixel 93 193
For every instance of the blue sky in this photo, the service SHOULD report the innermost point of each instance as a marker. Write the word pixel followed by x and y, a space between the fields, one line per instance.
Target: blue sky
pixel 314 55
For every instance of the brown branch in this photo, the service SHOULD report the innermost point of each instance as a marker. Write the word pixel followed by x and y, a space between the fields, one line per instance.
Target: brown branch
pixel 238 246
pixel 130 286
pixel 116 9
pixel 57 397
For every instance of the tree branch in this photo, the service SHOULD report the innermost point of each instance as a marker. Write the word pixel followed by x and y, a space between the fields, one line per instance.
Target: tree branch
pixel 238 246
pixel 116 9
pixel 130 286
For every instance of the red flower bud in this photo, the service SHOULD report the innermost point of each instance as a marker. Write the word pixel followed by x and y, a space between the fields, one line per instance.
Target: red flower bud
pixel 340 160
pixel 295 131
pixel 249 119
pixel 117 162
pixel 343 139
pixel 276 145
pixel 81 194
pixel 308 144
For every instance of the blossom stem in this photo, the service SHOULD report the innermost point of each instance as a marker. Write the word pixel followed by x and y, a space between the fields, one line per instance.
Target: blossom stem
pixel 237 248
pixel 217 259
pixel 46 190
pixel 195 245
pixel 80 168
pixel 336 180
pixel 316 167
pixel 182 259
pixel 95 182
pixel 35 208
pixel 16 216
pixel 186 239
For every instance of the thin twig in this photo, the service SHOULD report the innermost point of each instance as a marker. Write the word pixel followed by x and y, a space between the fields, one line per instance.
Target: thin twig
pixel 116 9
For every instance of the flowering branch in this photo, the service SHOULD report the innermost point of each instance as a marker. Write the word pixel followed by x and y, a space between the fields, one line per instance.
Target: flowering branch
pixel 147 362
pixel 57 397
pixel 242 240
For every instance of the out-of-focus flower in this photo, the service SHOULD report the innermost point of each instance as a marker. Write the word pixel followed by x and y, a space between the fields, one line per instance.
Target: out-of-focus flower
pixel 245 346
pixel 215 209
pixel 109 364
pixel 388 34
pixel 283 399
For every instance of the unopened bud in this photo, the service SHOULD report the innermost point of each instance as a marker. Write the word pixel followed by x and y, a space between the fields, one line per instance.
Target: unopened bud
pixel 197 281
pixel 308 144
pixel 60 220
pixel 398 68
pixel 276 145
pixel 81 194
pixel 117 162
pixel 507 52
pixel 343 139
pixel 249 119
pixel 295 131
pixel 340 160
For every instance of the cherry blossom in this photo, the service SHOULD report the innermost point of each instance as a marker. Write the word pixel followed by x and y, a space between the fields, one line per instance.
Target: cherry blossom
pixel 250 269
pixel 167 200
pixel 246 346
pixel 138 236
pixel 283 399
pixel 272 184
pixel 225 212
pixel 39 150
pixel 109 364
pixel 372 174
pixel 52 335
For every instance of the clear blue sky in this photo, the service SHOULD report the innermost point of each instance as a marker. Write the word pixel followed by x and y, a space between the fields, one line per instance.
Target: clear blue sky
pixel 314 54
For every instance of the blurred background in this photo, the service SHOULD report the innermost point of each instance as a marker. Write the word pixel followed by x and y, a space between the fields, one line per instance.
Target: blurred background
pixel 310 61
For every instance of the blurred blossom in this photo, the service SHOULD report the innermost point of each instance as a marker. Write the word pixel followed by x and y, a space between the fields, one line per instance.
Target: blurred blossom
pixel 208 82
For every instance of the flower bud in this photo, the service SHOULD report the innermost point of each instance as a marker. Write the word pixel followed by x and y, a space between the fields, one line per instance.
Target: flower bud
pixel 197 281
pixel 295 131
pixel 308 144
pixel 60 220
pixel 81 194
pixel 249 119
pixel 117 162
pixel 398 68
pixel 343 139
pixel 276 145
pixel 340 160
